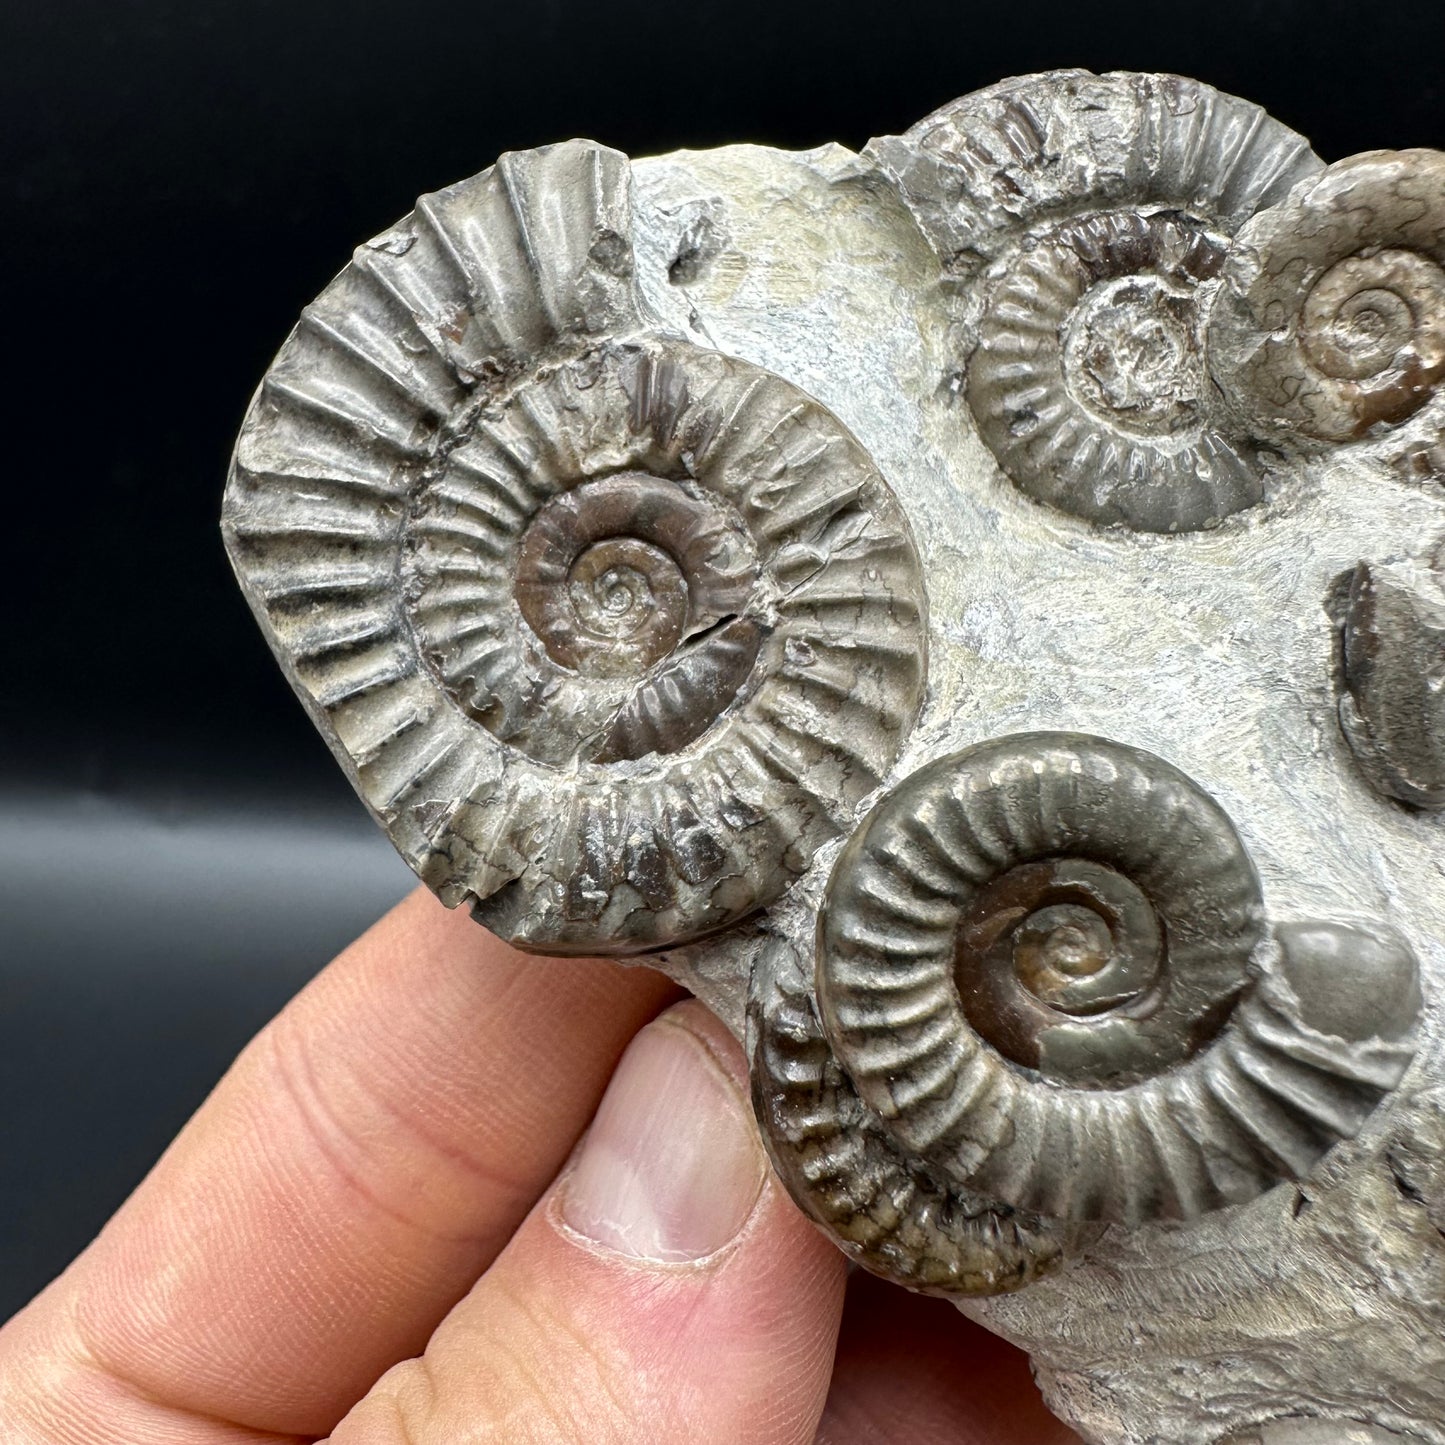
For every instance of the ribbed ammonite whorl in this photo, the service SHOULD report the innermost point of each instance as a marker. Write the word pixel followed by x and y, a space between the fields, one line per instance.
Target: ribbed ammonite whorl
pixel 1043 967
pixel 893 1213
pixel 1088 382
pixel 1331 323
pixel 610 630
pixel 1090 216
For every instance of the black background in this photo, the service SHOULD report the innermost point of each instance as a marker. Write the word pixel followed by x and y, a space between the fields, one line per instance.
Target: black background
pixel 177 178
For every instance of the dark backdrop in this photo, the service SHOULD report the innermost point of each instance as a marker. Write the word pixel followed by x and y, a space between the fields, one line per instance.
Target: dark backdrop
pixel 177 851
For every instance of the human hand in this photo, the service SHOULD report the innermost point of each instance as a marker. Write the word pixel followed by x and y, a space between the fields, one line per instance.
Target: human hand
pixel 377 1231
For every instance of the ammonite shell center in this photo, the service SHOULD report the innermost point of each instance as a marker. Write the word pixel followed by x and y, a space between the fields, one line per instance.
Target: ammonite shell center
pixel 1053 941
pixel 1132 355
pixel 623 586
pixel 1365 314
pixel 613 574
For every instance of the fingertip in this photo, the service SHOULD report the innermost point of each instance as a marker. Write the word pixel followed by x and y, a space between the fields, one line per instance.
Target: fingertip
pixel 667 1278
pixel 671 1167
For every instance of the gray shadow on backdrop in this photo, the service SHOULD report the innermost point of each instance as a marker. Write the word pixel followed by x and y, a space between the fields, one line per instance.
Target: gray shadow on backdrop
pixel 141 944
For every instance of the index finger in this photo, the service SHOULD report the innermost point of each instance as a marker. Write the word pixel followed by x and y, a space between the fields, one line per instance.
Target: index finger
pixel 351 1176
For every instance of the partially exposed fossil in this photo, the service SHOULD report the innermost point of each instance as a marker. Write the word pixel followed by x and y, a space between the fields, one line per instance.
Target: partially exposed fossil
pixel 1393 704
pixel 916 599
pixel 1331 327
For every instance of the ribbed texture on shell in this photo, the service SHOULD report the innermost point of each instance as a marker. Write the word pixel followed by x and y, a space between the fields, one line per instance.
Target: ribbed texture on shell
pixel 469 366
pixel 1180 474
pixel 1258 1104
pixel 1065 142
pixel 890 1216
pixel 797 704
pixel 1040 192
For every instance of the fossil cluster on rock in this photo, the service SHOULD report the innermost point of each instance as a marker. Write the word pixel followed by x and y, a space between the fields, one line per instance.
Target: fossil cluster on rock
pixel 973 611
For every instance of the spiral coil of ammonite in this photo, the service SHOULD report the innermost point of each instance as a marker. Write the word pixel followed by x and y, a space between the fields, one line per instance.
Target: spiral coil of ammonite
pixel 1089 217
pixel 1331 324
pixel 608 629
pixel 1043 973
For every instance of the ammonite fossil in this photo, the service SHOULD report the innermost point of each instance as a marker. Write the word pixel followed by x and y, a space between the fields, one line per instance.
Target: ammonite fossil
pixel 729 557
pixel 610 630
pixel 1392 706
pixel 1037 965
pixel 1091 216
pixel 1331 324
pixel 887 1210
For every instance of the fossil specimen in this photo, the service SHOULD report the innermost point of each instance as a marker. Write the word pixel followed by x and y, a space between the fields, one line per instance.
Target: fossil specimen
pixel 1084 911
pixel 1092 215
pixel 915 598
pixel 1331 327
pixel 885 1206
pixel 610 629
pixel 1393 706
pixel 1027 962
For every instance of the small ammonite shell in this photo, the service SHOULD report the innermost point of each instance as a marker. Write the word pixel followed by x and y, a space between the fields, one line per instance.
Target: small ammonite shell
pixel 1089 217
pixel 1392 703
pixel 608 629
pixel 1039 963
pixel 1330 326
pixel 1088 382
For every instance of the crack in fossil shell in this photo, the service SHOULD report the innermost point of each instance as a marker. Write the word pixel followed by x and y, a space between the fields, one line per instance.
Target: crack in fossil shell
pixel 610 630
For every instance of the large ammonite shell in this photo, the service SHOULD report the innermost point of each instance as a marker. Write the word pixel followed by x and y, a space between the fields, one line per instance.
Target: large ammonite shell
pixel 1043 966
pixel 1392 703
pixel 609 630
pixel 1091 216
pixel 1331 323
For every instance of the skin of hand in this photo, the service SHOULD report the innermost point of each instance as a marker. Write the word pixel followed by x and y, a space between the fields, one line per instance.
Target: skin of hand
pixel 457 1194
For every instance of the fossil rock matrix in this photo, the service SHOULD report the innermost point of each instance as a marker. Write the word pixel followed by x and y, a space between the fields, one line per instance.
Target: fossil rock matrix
pixel 973 611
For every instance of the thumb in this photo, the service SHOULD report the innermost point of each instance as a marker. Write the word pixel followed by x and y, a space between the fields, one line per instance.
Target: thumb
pixel 665 1290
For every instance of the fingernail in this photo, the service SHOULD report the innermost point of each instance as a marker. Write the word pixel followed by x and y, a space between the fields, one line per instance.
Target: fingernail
pixel 672 1166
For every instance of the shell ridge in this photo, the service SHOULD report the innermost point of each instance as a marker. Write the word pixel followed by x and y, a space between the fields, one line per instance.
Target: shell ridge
pixel 928 1237
pixel 477 362
pixel 376 356
pixel 474 301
